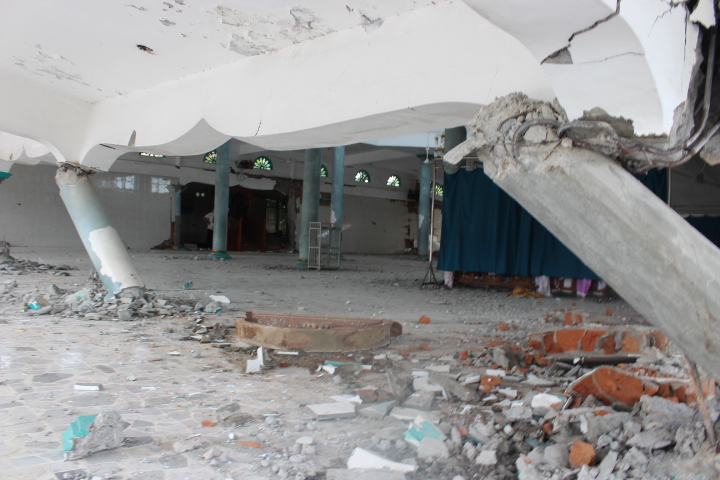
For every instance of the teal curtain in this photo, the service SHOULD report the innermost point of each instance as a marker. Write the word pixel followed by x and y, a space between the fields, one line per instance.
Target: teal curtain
pixel 485 230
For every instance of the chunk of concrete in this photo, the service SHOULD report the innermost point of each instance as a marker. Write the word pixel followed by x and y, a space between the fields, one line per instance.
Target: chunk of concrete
pixel 420 401
pixel 487 458
pixel 432 448
pixel 557 455
pixel 93 433
pixel 362 474
pixel 377 411
pixel 366 460
pixel 652 439
pixel 331 411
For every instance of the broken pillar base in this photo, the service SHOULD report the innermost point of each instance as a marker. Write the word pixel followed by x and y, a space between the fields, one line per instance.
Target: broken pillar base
pixel 219 255
pixel 132 292
pixel 302 264
pixel 93 433
pixel 423 256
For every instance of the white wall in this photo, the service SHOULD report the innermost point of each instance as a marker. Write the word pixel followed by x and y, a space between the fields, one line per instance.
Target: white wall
pixel 32 213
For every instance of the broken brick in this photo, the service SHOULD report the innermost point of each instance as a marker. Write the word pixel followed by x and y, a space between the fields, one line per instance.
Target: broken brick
pixel 424 319
pixel 582 453
pixel 610 385
pixel 590 339
pixel 404 352
pixel 503 327
pixel 208 423
pixel 425 346
pixel 609 312
pixel 568 340
pixel 489 381
pixel 464 355
pixel 630 343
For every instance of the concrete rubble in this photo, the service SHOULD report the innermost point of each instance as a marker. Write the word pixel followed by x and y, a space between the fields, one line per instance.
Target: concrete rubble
pixel 529 399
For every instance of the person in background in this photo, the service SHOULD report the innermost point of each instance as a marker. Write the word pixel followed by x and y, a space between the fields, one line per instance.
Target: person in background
pixel 210 222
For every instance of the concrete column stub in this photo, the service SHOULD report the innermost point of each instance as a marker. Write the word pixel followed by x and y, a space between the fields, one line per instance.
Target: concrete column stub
pixel 102 242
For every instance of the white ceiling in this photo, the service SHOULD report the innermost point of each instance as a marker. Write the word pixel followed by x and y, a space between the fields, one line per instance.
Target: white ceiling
pixel 286 76
pixel 88 48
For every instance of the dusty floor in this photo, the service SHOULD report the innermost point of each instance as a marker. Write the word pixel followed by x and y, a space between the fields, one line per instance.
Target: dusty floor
pixel 165 398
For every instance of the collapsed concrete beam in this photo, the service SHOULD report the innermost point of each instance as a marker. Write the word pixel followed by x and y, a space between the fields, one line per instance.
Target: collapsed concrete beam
pixel 649 254
pixel 101 240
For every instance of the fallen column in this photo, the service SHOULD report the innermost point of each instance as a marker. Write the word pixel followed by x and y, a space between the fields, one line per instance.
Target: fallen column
pixel 649 254
pixel 101 240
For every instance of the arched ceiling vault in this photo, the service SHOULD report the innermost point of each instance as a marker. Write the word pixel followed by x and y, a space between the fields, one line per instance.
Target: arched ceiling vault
pixel 283 76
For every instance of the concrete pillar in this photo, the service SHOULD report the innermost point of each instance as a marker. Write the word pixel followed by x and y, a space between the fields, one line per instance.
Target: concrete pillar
pixel 651 256
pixel 101 240
pixel 424 210
pixel 336 200
pixel 222 202
pixel 310 200
pixel 177 215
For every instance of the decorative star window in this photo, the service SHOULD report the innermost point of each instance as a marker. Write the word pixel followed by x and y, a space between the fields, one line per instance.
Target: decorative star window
pixel 393 181
pixel 439 190
pixel 210 157
pixel 263 163
pixel 323 171
pixel 362 176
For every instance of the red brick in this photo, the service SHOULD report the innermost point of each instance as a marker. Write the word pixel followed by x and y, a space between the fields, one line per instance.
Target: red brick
pixel 607 344
pixel 464 355
pixel 609 312
pixel 568 318
pixel 489 381
pixel 630 343
pixel 659 340
pixel 610 385
pixel 536 341
pixel 503 327
pixel 582 453
pixel 569 340
pixel 590 339
pixel 425 346
pixel 424 319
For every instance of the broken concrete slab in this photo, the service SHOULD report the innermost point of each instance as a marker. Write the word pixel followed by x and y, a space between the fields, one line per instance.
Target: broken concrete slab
pixel 377 411
pixel 93 433
pixel 364 459
pixel 362 474
pixel 334 410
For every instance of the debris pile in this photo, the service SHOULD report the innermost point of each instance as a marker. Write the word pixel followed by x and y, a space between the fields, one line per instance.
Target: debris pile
pixel 499 413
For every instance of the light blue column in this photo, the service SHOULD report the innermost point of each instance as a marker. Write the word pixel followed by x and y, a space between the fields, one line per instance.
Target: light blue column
pixel 424 210
pixel 222 202
pixel 102 242
pixel 336 200
pixel 310 201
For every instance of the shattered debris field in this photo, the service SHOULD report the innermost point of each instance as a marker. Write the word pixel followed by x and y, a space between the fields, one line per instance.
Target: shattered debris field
pixel 478 384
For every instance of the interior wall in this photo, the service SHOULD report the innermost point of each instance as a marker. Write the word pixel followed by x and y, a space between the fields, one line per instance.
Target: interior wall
pixel 375 225
pixel 33 215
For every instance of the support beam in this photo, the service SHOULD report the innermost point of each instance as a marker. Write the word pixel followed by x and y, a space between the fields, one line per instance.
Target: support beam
pixel 177 207
pixel 658 263
pixel 424 210
pixel 336 201
pixel 222 202
pixel 102 242
pixel 310 201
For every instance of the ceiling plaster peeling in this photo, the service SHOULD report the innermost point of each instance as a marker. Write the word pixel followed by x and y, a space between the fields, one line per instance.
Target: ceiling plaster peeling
pixel 142 9
pixel 704 14
pixel 167 22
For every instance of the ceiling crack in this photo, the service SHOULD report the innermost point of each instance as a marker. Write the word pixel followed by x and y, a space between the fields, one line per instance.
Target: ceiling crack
pixel 602 20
